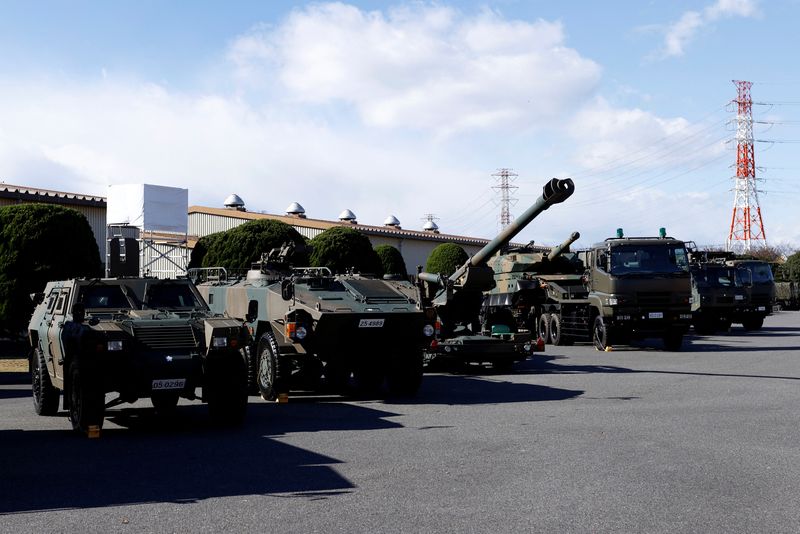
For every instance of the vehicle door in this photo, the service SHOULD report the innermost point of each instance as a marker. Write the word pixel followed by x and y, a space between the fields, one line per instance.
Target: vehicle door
pixel 55 323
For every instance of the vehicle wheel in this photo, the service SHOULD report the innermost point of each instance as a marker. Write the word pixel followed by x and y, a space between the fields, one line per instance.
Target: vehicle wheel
pixel 778 306
pixel 405 374
pixel 86 399
pixel 250 355
pixel 45 396
pixel 753 324
pixel 673 341
pixel 225 390
pixel 267 376
pixel 557 336
pixel 164 402
pixel 543 329
pixel 600 333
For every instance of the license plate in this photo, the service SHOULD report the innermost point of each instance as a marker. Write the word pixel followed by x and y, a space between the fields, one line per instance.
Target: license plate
pixel 169 383
pixel 655 315
pixel 370 323
pixel 762 308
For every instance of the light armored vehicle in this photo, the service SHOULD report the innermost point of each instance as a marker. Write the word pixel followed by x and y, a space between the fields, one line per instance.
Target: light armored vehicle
pixel 138 337
pixel 639 287
pixel 465 331
pixel 307 322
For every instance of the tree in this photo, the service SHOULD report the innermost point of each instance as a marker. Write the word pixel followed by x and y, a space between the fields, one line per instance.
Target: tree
pixel 790 270
pixel 445 259
pixel 341 249
pixel 391 260
pixel 40 243
pixel 240 247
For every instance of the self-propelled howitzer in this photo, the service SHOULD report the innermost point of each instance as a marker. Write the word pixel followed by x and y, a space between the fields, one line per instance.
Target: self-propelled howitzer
pixel 457 299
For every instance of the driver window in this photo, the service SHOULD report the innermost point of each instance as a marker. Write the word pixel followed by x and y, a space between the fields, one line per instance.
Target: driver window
pixel 602 260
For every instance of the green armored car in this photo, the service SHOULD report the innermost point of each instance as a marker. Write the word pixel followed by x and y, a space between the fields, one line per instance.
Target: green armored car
pixel 139 338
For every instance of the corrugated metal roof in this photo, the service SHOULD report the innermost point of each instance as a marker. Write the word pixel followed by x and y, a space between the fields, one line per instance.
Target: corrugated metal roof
pixel 21 192
pixel 324 225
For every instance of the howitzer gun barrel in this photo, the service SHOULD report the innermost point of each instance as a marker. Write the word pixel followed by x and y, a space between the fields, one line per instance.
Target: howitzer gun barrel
pixel 563 247
pixel 554 192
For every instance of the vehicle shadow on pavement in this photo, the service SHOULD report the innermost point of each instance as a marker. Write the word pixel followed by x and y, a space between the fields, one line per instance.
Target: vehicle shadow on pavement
pixel 181 459
pixel 14 378
pixel 456 389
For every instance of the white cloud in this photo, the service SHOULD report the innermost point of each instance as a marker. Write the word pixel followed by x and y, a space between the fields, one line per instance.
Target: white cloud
pixel 421 67
pixel 678 35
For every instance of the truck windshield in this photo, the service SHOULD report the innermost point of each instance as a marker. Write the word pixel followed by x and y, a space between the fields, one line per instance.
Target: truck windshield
pixel 104 297
pixel 761 272
pixel 170 296
pixel 655 258
pixel 715 276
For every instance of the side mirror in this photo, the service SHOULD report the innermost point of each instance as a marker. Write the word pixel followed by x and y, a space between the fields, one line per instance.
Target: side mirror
pixel 37 298
pixel 78 312
pixel 287 290
pixel 252 311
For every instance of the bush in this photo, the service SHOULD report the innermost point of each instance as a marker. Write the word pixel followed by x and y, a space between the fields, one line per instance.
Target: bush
pixel 40 243
pixel 341 248
pixel 445 259
pixel 391 260
pixel 790 270
pixel 240 247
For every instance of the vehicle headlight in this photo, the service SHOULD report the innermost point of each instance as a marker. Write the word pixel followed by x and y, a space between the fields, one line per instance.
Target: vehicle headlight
pixel 114 345
pixel 300 332
pixel 219 342
pixel 428 330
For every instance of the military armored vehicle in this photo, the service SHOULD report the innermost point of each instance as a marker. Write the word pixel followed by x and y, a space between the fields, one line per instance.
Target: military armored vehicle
pixel 534 284
pixel 138 337
pixel 756 278
pixel 466 330
pixel 639 287
pixel 787 296
pixel 308 323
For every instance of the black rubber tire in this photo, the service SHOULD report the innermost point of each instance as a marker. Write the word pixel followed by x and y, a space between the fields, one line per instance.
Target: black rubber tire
pixel 86 399
pixel 543 327
pixel 225 390
pixel 405 374
pixel 673 341
pixel 599 333
pixel 45 395
pixel 753 324
pixel 164 402
pixel 267 368
pixel 557 336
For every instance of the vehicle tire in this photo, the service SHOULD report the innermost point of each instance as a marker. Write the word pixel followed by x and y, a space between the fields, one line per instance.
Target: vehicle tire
pixel 557 336
pixel 405 374
pixel 753 323
pixel 543 329
pixel 164 402
pixel 86 399
pixel 600 333
pixel 250 355
pixel 225 390
pixel 673 341
pixel 267 373
pixel 45 396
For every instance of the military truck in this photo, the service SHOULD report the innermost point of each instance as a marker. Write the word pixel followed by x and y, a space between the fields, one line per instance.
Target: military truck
pixel 356 332
pixel 787 296
pixel 715 296
pixel 138 337
pixel 639 287
pixel 467 330
pixel 756 278
pixel 539 286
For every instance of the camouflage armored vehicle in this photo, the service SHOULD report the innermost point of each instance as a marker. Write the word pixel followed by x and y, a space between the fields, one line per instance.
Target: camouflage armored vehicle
pixel 639 287
pixel 539 286
pixel 307 322
pixel 138 337
pixel 755 277
pixel 465 332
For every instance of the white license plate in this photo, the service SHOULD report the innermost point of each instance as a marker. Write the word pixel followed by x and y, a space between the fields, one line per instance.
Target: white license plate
pixel 370 323
pixel 169 383
pixel 655 315
pixel 762 308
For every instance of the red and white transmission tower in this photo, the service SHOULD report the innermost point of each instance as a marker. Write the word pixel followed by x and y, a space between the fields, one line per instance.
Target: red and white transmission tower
pixel 747 228
pixel 504 177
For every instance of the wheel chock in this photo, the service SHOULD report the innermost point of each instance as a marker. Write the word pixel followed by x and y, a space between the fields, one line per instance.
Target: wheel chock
pixel 283 398
pixel 93 431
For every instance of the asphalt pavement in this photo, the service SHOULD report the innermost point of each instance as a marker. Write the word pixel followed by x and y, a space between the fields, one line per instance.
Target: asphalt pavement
pixel 632 440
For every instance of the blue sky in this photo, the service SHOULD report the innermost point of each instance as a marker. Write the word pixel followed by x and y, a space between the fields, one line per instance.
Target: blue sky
pixel 407 108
